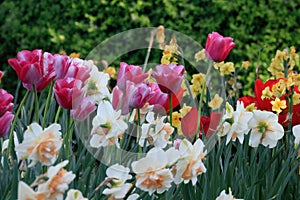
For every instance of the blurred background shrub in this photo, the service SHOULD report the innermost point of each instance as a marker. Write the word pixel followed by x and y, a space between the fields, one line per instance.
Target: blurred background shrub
pixel 78 26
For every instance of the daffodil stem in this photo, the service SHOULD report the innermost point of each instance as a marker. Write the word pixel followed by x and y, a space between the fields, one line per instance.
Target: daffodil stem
pixel 171 108
pixel 36 102
pixel 11 133
pixel 49 97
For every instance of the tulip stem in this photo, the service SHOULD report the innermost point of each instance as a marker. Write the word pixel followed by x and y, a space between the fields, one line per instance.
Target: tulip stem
pixel 49 97
pixel 57 114
pixel 68 137
pixel 36 101
pixel 171 108
pixel 11 145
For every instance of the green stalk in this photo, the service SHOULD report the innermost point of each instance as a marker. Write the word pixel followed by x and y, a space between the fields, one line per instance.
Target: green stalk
pixel 49 97
pixel 36 101
pixel 210 64
pixel 11 133
pixel 171 108
pixel 138 130
pixel 68 137
pixel 149 50
pixel 57 114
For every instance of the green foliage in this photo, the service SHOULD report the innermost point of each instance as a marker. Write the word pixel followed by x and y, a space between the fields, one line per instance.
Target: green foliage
pixel 81 25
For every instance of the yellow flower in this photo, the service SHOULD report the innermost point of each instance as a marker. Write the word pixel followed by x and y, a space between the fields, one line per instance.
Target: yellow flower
pixel 278 104
pixel 111 71
pixel 251 107
pixel 245 64
pixel 176 119
pixel 279 88
pixel 74 55
pixel 216 102
pixel 185 110
pixel 266 93
pixel 227 68
pixel 160 34
pixel 218 65
pixel 296 98
pixel 200 55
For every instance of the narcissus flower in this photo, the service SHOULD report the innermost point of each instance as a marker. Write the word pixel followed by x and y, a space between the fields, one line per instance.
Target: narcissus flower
pixel 75 195
pixel 190 164
pixel 40 145
pixel 25 192
pixel 216 102
pixel 155 132
pixel 58 181
pixel 296 133
pixel 152 174
pixel 224 196
pixel 118 175
pixel 265 129
pixel 169 77
pixel 108 126
pixel 34 68
pixel 218 47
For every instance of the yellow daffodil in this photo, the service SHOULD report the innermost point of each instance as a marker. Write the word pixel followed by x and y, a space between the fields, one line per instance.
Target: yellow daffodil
pixel 216 102
pixel 278 105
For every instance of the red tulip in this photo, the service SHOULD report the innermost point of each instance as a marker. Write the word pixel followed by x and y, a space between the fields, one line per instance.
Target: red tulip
pixel 176 100
pixel 169 77
pixel 5 122
pixel 34 68
pixel 68 92
pixel 130 73
pixel 218 47
pixel 207 124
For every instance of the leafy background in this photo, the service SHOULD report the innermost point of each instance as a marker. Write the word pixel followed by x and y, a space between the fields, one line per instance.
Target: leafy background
pixel 78 26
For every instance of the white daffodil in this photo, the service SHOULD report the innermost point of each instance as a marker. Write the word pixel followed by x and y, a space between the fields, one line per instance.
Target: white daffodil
pixel 265 129
pixel 239 127
pixel 75 195
pixel 118 175
pixel 58 181
pixel 296 133
pixel 97 85
pixel 156 132
pixel 25 192
pixel 152 172
pixel 190 164
pixel 40 145
pixel 224 196
pixel 108 126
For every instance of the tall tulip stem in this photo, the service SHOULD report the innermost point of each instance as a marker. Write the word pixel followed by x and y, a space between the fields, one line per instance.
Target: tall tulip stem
pixel 171 108
pixel 49 97
pixel 36 101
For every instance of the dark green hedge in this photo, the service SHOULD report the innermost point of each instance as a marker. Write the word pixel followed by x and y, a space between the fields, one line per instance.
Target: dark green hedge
pixel 80 25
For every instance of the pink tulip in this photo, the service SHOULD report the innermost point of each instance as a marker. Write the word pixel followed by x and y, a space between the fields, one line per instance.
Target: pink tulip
pixel 83 110
pixel 130 73
pixel 5 102
pixel 5 122
pixel 117 96
pixel 68 92
pixel 34 68
pixel 218 47
pixel 136 96
pixel 72 67
pixel 169 77
pixel 159 98
pixel 1 75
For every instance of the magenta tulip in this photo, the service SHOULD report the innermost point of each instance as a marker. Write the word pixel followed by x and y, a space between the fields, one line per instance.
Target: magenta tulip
pixel 159 98
pixel 34 68
pixel 68 92
pixel 169 77
pixel 130 73
pixel 117 96
pixel 83 110
pixel 218 47
pixel 5 122
pixel 5 102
